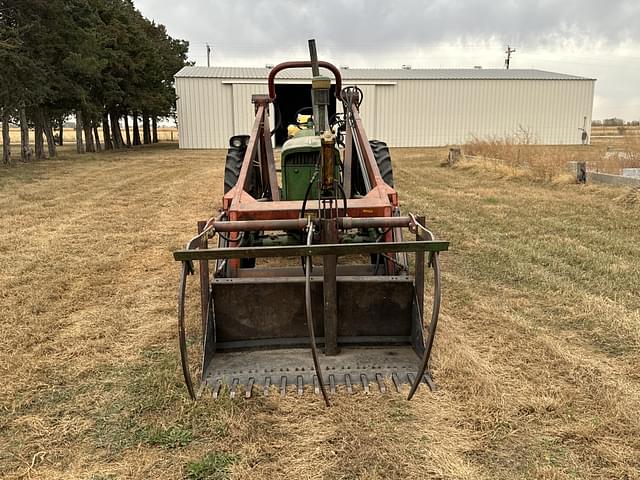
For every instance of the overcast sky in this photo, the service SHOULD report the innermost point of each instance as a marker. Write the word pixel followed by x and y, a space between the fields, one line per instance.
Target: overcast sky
pixel 592 38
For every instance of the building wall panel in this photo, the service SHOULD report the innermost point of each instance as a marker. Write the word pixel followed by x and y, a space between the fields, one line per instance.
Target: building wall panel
pixel 243 110
pixel 407 113
pixel 442 112
pixel 205 112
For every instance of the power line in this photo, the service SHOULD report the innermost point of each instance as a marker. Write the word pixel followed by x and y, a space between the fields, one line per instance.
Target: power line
pixel 507 60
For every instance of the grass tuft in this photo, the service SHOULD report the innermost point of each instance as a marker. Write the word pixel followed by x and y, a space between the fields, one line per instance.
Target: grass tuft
pixel 213 466
pixel 172 437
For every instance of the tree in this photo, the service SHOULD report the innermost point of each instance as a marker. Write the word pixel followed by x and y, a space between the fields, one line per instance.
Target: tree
pixel 6 138
pixel 99 60
pixel 613 122
pixel 136 130
pixel 152 88
pixel 19 84
pixel 79 142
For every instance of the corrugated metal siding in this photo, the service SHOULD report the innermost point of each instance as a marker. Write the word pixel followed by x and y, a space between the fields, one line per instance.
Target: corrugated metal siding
pixel 409 113
pixel 424 113
pixel 243 110
pixel 204 108
pixel 368 109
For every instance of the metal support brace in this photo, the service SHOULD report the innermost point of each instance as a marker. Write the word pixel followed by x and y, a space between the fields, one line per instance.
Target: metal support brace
pixel 330 289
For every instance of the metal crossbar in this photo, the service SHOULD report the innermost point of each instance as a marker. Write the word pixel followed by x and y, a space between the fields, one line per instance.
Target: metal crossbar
pixel 311 250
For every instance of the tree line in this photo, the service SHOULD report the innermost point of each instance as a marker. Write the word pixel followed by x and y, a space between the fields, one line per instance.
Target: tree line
pixel 98 60
pixel 615 122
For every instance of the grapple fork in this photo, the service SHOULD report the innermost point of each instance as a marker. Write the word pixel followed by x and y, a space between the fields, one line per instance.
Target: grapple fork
pixel 259 328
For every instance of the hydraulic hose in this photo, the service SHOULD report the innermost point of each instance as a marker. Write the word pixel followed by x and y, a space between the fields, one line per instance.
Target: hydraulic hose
pixel 312 336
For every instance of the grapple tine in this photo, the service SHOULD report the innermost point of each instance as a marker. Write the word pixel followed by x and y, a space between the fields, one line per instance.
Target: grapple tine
pixel 332 383
pixel 396 381
pixel 233 388
pixel 283 385
pixel 249 388
pixel 267 384
pixel 365 383
pixel 381 385
pixel 347 382
pixel 316 385
pixel 411 377
pixel 300 385
pixel 216 389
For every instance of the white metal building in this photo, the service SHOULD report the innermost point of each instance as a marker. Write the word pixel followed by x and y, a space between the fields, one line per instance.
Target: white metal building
pixel 405 108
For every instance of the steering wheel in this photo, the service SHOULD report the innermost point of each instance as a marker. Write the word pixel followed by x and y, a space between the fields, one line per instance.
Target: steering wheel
pixel 303 109
pixel 339 127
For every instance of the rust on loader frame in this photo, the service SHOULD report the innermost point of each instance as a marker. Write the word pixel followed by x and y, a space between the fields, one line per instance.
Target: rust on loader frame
pixel 244 310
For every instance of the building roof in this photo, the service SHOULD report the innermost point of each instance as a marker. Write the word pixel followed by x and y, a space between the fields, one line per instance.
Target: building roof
pixel 381 73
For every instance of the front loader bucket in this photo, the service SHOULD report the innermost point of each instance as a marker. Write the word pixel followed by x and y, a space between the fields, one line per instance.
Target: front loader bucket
pixel 261 332
pixel 256 330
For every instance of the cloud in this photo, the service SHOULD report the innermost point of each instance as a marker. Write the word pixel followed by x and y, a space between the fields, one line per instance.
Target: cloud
pixel 384 25
pixel 594 38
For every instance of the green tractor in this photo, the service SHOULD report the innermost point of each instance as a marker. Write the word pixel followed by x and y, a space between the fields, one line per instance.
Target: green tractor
pixel 299 160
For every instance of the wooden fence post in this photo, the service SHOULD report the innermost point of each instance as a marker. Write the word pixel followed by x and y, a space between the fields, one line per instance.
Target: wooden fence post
pixel 581 172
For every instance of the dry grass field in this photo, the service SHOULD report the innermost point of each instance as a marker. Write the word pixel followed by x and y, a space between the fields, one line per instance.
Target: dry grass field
pixel 536 359
pixel 597 130
pixel 549 163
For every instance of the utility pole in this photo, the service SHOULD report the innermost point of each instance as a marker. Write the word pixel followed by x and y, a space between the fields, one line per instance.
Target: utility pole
pixel 507 60
pixel 208 55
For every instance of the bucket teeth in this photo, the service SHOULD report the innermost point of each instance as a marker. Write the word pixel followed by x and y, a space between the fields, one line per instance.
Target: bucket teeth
pixel 365 383
pixel 429 381
pixel 267 384
pixel 396 382
pixel 216 389
pixel 300 385
pixel 249 388
pixel 234 388
pixel 244 385
pixel 426 379
pixel 347 382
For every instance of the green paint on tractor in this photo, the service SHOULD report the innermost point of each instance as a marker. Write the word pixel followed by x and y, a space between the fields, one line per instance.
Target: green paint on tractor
pixel 299 161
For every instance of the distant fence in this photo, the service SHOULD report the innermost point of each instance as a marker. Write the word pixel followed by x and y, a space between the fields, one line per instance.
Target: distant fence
pixel 165 134
pixel 614 130
pixel 583 175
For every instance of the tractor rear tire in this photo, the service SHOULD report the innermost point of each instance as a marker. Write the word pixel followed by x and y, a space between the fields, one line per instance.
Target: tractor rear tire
pixel 383 159
pixel 232 167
